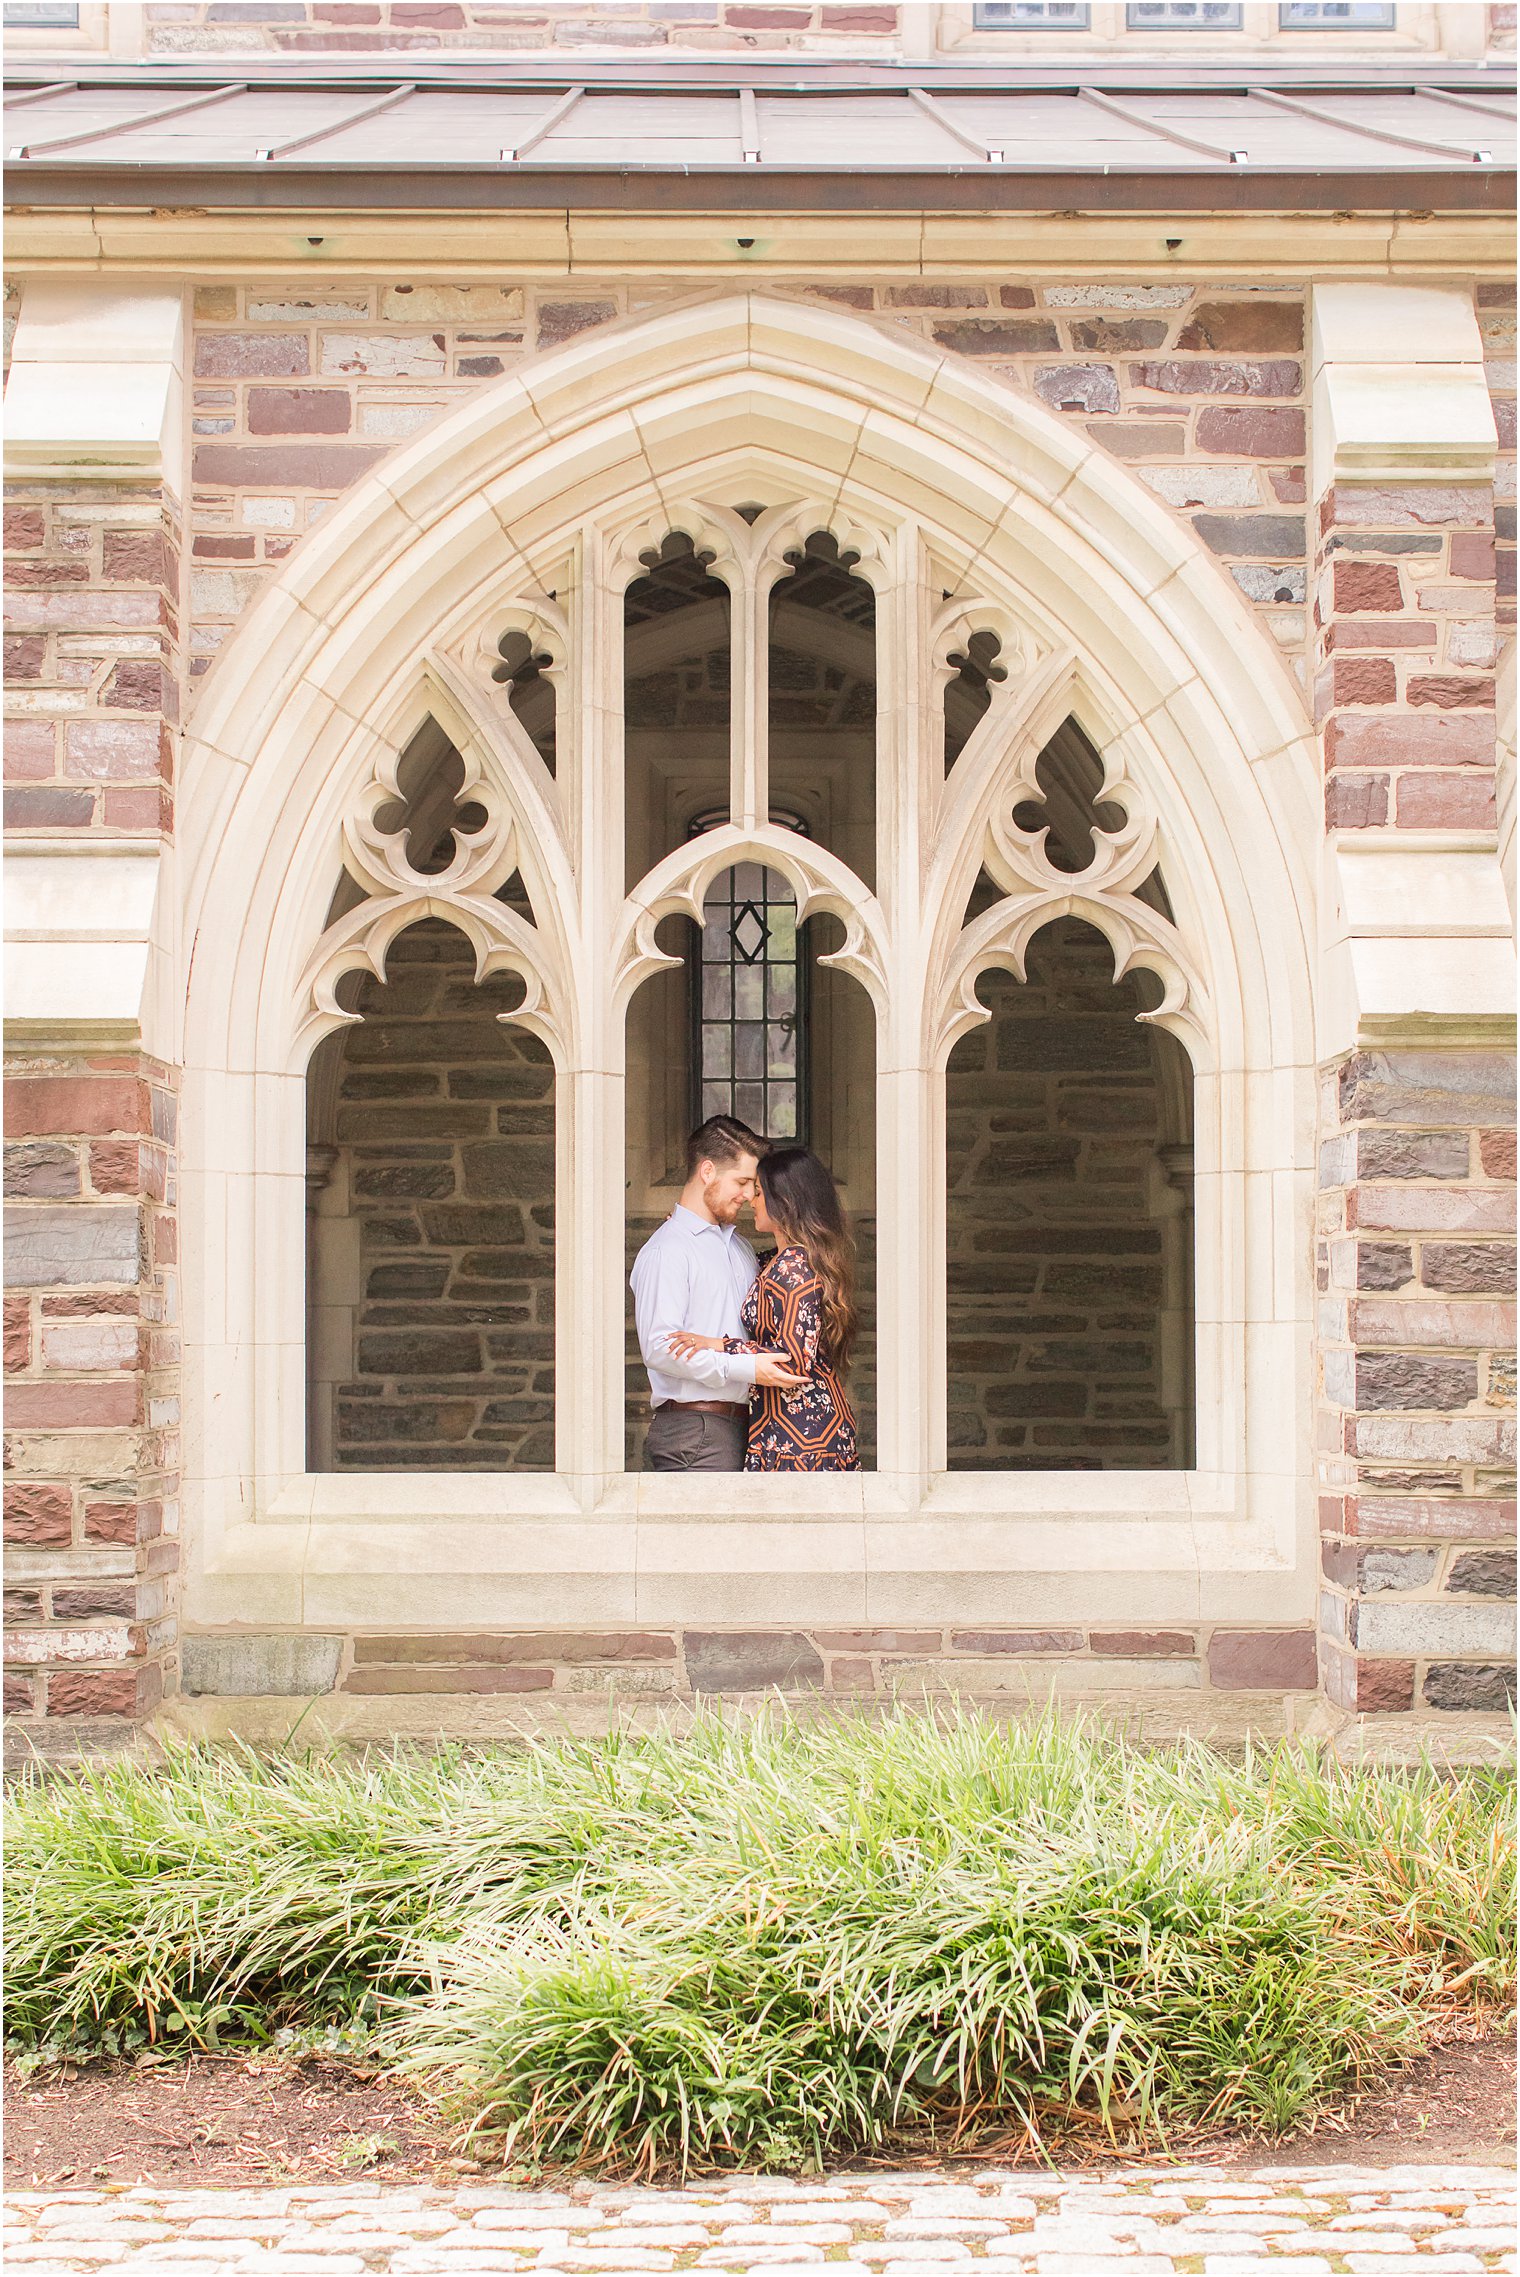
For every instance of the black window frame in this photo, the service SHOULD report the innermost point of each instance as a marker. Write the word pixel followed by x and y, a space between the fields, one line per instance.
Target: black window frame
pixel 697 1022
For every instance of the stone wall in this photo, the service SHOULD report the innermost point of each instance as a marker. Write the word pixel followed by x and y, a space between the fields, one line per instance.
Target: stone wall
pixel 93 672
pixel 1417 1323
pixel 435 1137
pixel 1209 1676
pixel 1060 1165
pixel 410 27
pixel 92 1383
pixel 300 392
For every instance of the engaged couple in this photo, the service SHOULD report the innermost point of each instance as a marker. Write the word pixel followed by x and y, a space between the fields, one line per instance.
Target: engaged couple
pixel 747 1362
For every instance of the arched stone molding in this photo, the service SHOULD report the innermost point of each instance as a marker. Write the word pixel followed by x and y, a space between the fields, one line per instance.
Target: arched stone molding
pixel 678 887
pixel 542 486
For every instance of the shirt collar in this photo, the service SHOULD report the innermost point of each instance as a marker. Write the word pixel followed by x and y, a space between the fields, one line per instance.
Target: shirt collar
pixel 691 1223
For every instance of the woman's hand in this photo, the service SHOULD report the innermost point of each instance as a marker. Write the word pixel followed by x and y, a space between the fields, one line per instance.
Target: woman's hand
pixel 684 1341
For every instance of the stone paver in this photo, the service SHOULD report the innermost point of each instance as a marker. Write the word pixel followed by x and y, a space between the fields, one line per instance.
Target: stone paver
pixel 1140 2222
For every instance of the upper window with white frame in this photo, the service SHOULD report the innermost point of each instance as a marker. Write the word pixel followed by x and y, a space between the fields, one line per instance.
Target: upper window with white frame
pixel 1336 16
pixel 1031 16
pixel 1184 16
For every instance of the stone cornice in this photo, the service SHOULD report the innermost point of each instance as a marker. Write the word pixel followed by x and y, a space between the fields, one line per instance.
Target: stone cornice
pixel 192 241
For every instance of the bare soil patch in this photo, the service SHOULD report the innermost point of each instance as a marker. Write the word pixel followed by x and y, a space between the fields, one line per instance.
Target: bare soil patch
pixel 228 2120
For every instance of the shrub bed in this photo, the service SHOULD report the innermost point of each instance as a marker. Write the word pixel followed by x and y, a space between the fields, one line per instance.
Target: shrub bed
pixel 765 1943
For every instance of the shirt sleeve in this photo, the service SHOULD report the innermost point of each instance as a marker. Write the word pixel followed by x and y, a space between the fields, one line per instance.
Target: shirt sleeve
pixel 661 1291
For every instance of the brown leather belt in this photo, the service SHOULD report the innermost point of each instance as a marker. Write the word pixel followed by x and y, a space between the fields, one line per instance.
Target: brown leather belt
pixel 737 1411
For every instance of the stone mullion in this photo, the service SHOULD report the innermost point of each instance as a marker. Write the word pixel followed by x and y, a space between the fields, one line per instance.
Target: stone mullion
pixel 589 1106
pixel 910 1111
pixel 750 679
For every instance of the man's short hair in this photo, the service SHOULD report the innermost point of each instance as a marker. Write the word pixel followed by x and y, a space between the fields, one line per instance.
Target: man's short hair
pixel 722 1138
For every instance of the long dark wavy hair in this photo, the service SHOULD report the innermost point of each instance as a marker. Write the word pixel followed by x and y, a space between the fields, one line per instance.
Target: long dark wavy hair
pixel 804 1207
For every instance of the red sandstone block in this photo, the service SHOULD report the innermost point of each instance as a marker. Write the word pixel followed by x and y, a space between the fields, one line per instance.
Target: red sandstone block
pixel 1445 802
pixel 225 549
pixel 1441 741
pixel 283 466
pixel 90 1306
pixel 1364 585
pixel 1257 433
pixel 1384 1687
pixel 252 355
pixel 27 576
pixel 1449 693
pixel 20 1695
pixel 299 411
pixel 18 1334
pixel 1364 680
pixel 29 748
pixel 1357 633
pixel 421 15
pixel 145 809
pixel 1263 1660
pixel 1356 802
pixel 38 1513
pixel 51 1106
pixel 859 19
pixel 1496 1152
pixel 1255 327
pixel 111 1521
pixel 1472 555
pixel 116 1168
pixel 71 1407
pixel 96 1692
pixel 850 1676
pixel 25 526
pixel 25 659
pixel 135 557
pixel 1209 377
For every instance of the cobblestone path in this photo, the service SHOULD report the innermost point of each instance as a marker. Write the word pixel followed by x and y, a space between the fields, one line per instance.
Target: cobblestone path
pixel 1209 2222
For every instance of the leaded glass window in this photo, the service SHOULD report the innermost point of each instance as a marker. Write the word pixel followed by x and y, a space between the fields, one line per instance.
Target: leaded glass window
pixel 749 980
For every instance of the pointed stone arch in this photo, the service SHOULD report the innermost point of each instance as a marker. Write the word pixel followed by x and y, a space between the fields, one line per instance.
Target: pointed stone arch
pixel 967 502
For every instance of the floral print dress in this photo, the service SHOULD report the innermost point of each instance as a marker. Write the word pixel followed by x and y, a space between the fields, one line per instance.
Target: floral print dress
pixel 812 1428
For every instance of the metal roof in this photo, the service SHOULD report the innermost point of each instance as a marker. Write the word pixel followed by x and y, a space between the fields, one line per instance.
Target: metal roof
pixel 135 130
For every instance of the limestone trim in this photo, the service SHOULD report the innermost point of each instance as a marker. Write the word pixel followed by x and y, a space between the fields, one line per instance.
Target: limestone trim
pixel 539 494
pixel 199 247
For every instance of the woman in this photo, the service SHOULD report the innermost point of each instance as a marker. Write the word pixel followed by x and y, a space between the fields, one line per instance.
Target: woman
pixel 802 1309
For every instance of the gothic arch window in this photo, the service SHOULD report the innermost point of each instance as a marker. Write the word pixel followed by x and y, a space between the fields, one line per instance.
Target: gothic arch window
pixel 749 427
pixel 430 1181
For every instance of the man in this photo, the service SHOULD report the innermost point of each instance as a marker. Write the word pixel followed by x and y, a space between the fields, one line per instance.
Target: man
pixel 695 1273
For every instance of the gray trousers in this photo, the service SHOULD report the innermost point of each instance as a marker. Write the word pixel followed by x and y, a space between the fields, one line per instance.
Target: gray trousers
pixel 682 1440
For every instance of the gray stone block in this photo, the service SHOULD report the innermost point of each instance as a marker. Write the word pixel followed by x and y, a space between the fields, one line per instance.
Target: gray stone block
pixel 76 1246
pixel 242 1668
pixel 1429 1626
pixel 757 1661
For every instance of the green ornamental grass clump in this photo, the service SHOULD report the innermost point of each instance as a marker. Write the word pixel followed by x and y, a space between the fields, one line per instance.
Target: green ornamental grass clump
pixel 764 1943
